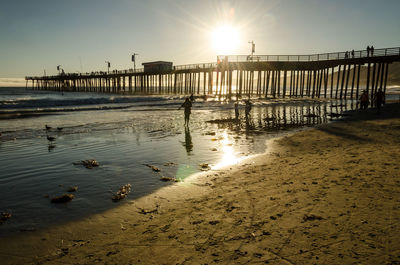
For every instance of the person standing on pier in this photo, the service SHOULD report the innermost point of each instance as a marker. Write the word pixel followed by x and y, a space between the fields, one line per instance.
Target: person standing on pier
pixel 187 105
pixel 352 53
pixel 372 50
pixel 368 49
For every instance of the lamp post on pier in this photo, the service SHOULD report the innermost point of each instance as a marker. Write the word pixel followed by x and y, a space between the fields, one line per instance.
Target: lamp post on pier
pixel 134 61
pixel 108 66
pixel 253 48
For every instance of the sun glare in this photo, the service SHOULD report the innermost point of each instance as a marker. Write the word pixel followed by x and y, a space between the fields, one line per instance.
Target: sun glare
pixel 225 39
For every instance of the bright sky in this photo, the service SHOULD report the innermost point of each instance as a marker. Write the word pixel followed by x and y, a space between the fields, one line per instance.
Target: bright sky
pixel 80 35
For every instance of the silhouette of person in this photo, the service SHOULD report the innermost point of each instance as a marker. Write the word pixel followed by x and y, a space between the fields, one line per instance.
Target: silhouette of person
pixel 364 101
pixel 247 109
pixel 191 98
pixel 236 110
pixel 188 141
pixel 346 55
pixel 368 50
pixel 379 98
pixel 372 50
pixel 187 105
pixel 352 53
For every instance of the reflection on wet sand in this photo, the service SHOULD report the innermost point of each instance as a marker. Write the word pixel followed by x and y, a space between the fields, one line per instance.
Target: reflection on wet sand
pixel 50 147
pixel 284 117
pixel 228 152
pixel 188 141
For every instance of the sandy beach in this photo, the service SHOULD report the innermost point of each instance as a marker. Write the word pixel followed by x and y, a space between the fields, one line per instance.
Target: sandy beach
pixel 327 195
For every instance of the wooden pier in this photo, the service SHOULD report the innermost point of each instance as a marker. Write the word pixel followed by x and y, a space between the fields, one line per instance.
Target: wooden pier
pixel 339 75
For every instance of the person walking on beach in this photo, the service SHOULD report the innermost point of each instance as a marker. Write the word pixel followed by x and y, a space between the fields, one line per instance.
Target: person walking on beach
pixel 368 49
pixel 236 110
pixel 379 97
pixel 187 105
pixel 364 101
pixel 191 98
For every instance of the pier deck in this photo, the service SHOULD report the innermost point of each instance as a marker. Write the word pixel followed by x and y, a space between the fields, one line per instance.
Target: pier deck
pixel 333 75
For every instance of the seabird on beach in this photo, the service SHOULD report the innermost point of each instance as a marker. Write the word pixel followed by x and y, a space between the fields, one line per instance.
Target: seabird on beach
pixel 47 127
pixel 50 138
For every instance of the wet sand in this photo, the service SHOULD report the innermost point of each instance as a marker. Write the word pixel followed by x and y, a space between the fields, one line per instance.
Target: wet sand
pixel 327 195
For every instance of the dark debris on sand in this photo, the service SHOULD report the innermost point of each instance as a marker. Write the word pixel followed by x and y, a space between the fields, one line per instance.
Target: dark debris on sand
pixel 62 199
pixel 311 217
pixel 163 178
pixel 90 163
pixel 122 193
pixel 204 167
pixel 4 216
pixel 72 189
pixel 154 168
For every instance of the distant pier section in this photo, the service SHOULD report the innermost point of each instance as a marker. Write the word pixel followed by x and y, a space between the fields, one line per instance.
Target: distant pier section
pixel 337 75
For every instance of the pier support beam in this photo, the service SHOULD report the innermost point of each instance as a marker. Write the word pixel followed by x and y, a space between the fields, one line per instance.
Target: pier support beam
pixel 368 78
pixel 284 83
pixel 386 77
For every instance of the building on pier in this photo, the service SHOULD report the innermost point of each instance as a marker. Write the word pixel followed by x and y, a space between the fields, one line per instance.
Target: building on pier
pixel 157 67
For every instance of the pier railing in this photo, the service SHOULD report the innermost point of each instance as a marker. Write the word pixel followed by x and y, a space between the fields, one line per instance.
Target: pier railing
pixel 195 66
pixel 313 57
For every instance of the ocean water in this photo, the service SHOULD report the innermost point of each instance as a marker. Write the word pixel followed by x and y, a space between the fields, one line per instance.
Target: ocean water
pixel 124 134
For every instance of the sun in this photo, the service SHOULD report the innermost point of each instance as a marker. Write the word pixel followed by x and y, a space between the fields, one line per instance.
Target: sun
pixel 225 39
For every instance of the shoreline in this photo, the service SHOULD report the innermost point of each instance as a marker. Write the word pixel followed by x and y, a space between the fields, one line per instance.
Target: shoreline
pixel 318 197
pixel 205 142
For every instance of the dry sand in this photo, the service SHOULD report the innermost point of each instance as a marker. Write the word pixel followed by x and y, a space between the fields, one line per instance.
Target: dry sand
pixel 328 195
